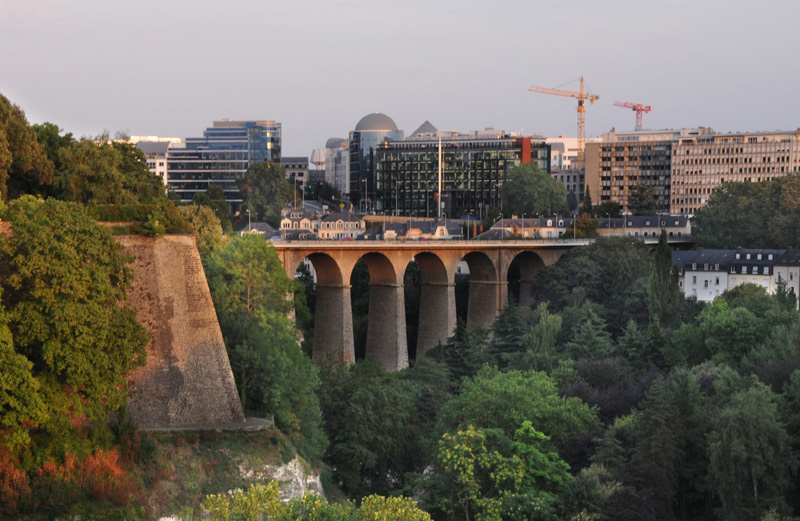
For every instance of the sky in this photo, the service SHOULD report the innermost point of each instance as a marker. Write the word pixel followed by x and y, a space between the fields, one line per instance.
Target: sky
pixel 172 67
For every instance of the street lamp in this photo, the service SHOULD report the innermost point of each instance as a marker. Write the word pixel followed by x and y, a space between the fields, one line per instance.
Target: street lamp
pixel 248 220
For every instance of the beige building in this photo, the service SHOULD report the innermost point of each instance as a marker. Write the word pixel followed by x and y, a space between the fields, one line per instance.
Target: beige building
pixel 685 166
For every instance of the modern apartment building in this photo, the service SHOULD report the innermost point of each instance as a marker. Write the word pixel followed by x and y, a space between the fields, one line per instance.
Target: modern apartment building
pixel 222 156
pixel 685 166
pixel 473 168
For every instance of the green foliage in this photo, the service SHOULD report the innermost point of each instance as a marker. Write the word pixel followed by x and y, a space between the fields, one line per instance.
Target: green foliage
pixel 250 292
pixel 611 271
pixel 65 285
pixel 609 209
pixel 24 166
pixel 585 226
pixel 261 502
pixel 21 405
pixel 586 205
pixel 265 191
pixel 106 173
pixel 205 225
pixel 51 138
pixel 727 220
pixel 749 457
pixel 529 190
pixel 214 198
pixel 642 201
pixel 322 190
pixel 663 290
pixel 370 451
pixel 483 402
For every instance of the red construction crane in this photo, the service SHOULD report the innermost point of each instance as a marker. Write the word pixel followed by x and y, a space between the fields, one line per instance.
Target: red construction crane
pixel 638 108
pixel 581 96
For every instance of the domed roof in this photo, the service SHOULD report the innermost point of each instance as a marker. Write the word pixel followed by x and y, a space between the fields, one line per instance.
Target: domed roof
pixel 333 142
pixel 376 122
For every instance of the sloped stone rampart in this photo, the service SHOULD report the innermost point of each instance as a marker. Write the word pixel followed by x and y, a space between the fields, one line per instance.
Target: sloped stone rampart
pixel 187 380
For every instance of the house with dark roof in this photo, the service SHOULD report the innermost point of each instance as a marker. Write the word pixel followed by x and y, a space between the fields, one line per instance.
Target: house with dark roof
pixel 341 225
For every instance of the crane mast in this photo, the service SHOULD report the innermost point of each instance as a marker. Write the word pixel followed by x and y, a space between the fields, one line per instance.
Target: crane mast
pixel 582 95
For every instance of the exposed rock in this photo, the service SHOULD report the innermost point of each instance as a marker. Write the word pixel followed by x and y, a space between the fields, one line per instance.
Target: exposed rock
pixel 294 480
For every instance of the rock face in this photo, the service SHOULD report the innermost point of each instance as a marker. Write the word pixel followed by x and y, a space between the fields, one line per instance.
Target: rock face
pixel 188 379
pixel 292 476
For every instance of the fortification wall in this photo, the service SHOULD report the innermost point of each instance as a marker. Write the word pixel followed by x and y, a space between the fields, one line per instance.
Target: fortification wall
pixel 188 379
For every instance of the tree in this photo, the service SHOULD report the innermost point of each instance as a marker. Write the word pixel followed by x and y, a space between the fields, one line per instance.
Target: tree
pixel 370 419
pixel 49 135
pixel 642 201
pixel 65 286
pixel 726 221
pixel 24 166
pixel 585 226
pixel 322 190
pixel 265 191
pixel 608 208
pixel 205 225
pixel 663 290
pixel 529 190
pixel 21 405
pixel 586 206
pixel 748 450
pixel 483 402
pixel 98 173
pixel 250 292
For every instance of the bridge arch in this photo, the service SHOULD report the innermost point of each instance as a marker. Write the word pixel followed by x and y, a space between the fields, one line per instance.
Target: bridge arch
pixel 437 302
pixel 486 290
pixel 387 345
pixel 333 319
pixel 520 273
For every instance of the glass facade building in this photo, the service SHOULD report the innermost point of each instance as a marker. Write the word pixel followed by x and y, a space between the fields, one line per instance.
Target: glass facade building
pixel 222 156
pixel 370 133
pixel 473 169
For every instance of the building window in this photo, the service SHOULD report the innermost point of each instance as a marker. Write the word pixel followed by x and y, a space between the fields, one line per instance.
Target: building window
pixel 694 279
pixel 744 269
pixel 706 284
pixel 716 267
pixel 766 270
pixel 717 282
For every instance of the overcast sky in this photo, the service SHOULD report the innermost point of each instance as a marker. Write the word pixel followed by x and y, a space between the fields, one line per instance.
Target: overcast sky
pixel 171 67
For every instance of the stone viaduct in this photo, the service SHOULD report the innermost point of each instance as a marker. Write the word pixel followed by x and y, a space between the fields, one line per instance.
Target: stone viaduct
pixel 488 262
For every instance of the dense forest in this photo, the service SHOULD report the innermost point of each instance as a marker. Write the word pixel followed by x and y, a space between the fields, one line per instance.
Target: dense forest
pixel 612 398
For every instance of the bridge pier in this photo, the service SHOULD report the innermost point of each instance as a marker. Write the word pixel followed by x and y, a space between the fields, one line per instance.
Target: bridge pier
pixel 486 299
pixel 333 325
pixel 437 314
pixel 387 345
pixel 526 293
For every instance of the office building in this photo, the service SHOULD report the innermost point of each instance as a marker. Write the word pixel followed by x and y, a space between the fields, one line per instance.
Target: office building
pixel 222 156
pixel 370 132
pixel 473 168
pixel 685 166
pixel 296 170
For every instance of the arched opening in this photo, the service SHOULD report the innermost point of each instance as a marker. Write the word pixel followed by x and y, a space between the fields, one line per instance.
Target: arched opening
pixel 521 273
pixel 483 299
pixel 328 301
pixel 429 303
pixel 379 312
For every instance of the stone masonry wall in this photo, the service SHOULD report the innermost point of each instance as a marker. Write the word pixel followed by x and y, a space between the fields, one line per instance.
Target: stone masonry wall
pixel 187 380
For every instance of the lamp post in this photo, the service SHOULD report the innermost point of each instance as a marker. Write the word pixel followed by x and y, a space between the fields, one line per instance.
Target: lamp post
pixel 608 216
pixel 248 220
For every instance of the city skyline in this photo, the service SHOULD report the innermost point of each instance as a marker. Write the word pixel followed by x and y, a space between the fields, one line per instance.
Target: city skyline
pixel 171 70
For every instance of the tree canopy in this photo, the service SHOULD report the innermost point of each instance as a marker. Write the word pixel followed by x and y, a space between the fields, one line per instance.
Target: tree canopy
pixel 529 190
pixel 65 284
pixel 642 201
pixel 754 215
pixel 265 191
pixel 24 165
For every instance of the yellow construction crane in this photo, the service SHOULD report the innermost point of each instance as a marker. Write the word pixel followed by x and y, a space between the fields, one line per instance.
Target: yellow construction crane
pixel 581 96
